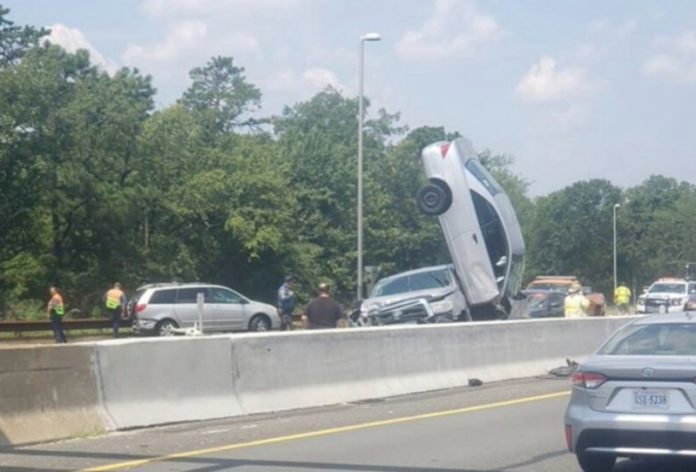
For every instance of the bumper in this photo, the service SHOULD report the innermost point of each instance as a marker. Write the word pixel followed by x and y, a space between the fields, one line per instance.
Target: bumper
pixel 630 434
pixel 144 326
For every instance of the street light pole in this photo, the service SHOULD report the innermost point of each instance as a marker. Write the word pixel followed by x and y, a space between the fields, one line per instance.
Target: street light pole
pixel 616 205
pixel 367 37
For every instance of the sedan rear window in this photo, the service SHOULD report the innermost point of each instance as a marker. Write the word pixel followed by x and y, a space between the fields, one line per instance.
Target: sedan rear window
pixel 668 339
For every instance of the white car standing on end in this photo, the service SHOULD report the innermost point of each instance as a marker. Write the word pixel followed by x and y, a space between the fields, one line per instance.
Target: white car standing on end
pixel 479 223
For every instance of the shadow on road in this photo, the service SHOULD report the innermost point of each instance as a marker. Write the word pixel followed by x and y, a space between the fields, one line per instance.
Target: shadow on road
pixel 202 463
pixel 537 459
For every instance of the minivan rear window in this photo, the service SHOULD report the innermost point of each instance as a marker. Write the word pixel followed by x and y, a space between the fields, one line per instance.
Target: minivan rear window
pixel 163 297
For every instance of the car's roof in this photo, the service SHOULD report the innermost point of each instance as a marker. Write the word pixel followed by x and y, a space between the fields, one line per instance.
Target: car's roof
pixel 554 280
pixel 177 285
pixel 675 317
pixel 419 271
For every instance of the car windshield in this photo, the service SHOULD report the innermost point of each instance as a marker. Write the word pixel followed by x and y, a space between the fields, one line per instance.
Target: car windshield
pixel 429 280
pixel 534 300
pixel 664 339
pixel 678 288
pixel 483 176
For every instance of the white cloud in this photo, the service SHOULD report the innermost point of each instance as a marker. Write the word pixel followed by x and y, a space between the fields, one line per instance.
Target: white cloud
pixel 677 64
pixel 168 8
pixel 319 78
pixel 72 39
pixel 181 38
pixel 456 28
pixel 546 83
pixel 283 81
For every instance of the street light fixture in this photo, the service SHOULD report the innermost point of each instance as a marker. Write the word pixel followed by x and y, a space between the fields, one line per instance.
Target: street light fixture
pixel 616 205
pixel 366 37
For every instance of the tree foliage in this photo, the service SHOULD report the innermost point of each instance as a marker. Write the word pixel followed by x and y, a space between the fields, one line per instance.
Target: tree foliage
pixel 99 186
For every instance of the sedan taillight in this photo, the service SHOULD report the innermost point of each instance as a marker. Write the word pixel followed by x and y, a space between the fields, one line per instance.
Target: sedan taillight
pixel 589 380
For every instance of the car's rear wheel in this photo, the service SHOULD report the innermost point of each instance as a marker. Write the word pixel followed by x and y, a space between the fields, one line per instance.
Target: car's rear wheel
pixel 434 198
pixel 260 323
pixel 596 462
pixel 165 328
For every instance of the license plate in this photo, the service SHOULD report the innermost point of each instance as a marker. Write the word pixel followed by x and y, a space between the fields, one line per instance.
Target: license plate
pixel 651 399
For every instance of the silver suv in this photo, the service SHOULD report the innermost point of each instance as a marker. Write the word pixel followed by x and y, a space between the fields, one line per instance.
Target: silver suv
pixel 158 308
pixel 397 294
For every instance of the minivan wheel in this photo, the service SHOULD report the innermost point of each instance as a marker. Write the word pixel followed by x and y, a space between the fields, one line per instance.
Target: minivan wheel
pixel 260 323
pixel 164 328
pixel 596 462
pixel 434 198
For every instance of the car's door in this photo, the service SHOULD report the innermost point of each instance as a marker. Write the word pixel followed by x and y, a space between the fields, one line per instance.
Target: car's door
pixel 227 309
pixel 186 306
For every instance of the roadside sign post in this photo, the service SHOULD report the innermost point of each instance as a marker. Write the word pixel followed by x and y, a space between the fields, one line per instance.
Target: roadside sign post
pixel 200 300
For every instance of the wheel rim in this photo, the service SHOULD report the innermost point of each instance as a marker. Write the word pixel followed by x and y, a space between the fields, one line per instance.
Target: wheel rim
pixel 431 199
pixel 262 325
pixel 166 330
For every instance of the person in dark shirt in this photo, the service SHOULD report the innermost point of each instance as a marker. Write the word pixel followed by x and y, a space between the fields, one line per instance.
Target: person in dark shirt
pixel 323 312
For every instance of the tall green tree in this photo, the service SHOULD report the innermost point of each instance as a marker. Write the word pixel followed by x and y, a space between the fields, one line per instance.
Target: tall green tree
pixel 223 97
pixel 16 40
pixel 573 233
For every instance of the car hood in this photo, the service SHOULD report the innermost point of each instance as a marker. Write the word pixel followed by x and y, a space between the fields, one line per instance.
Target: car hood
pixel 662 295
pixel 377 302
pixel 260 306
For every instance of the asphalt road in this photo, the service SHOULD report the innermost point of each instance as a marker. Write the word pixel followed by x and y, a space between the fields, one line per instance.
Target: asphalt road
pixel 507 426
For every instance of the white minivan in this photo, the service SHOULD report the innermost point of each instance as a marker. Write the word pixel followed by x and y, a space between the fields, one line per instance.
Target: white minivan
pixel 479 223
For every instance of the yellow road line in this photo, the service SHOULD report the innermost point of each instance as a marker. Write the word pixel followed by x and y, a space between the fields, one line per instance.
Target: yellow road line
pixel 324 432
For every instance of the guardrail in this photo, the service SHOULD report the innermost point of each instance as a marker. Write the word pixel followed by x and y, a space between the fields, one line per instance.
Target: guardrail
pixel 45 325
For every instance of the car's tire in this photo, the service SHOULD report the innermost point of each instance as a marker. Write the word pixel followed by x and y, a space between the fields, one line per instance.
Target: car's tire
pixel 260 323
pixel 434 198
pixel 596 462
pixel 164 328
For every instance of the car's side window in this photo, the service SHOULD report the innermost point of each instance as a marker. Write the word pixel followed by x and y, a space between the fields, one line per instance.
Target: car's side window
pixel 163 297
pixel 221 295
pixel 190 295
pixel 692 289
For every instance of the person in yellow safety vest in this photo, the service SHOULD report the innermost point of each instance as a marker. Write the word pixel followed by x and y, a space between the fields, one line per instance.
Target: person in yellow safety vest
pixel 576 304
pixel 115 301
pixel 56 311
pixel 622 298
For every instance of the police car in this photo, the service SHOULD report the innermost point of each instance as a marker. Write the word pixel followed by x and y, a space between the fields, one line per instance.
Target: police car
pixel 666 295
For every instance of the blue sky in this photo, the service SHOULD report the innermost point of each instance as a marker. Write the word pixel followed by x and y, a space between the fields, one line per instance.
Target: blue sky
pixel 572 89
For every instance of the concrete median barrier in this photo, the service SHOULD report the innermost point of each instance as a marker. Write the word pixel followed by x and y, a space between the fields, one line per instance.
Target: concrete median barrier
pixel 62 391
pixel 48 393
pixel 155 381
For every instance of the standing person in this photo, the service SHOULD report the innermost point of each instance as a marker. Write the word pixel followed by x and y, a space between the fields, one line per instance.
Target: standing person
pixel 286 303
pixel 116 302
pixel 576 304
pixel 622 298
pixel 55 311
pixel 323 312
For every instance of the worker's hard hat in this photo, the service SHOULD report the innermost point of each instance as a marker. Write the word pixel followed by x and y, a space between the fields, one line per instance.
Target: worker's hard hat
pixel 575 288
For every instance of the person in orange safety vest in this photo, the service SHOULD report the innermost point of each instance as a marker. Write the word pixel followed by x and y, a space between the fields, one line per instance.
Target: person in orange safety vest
pixel 56 311
pixel 115 301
